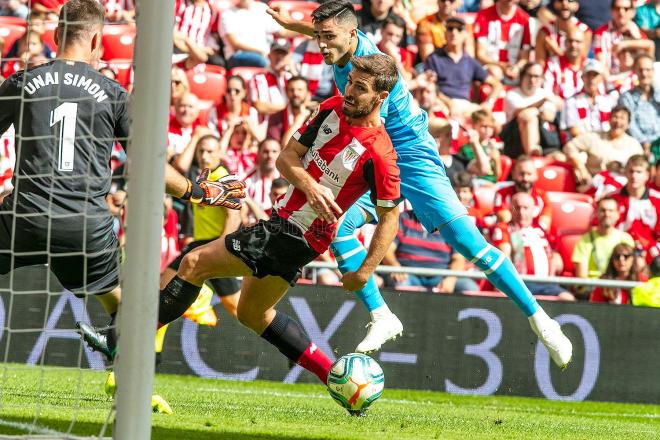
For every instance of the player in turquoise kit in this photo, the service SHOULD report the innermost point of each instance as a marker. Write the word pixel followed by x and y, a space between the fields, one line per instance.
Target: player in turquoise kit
pixel 423 182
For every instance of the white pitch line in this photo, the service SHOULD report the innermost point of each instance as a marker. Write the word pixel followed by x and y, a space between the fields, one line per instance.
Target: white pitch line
pixel 43 432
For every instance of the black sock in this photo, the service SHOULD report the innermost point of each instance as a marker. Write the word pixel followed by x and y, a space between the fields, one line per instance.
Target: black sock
pixel 287 335
pixel 111 336
pixel 175 299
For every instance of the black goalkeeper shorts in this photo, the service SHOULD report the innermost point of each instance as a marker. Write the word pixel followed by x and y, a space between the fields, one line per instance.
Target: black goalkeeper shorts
pixel 272 247
pixel 85 259
pixel 222 286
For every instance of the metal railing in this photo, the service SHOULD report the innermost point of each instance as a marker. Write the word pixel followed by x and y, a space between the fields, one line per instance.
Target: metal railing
pixel 476 274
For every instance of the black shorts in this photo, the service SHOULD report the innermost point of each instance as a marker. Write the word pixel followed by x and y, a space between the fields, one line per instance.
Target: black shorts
pixel 272 247
pixel 222 286
pixel 83 253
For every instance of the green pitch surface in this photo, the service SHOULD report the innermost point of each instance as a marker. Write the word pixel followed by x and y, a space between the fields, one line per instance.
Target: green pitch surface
pixel 212 409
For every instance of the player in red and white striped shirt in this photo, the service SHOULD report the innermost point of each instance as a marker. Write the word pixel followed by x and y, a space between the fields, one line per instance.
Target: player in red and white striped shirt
pixel 528 246
pixel 331 162
pixel 503 38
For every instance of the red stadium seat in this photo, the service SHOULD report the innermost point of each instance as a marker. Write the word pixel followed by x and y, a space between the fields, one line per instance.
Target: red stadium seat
pixel 299 10
pixel 507 164
pixel 118 41
pixel 124 70
pixel 9 33
pixel 207 85
pixel 485 198
pixel 556 196
pixel 570 216
pixel 6 20
pixel 556 177
pixel 565 246
pixel 246 72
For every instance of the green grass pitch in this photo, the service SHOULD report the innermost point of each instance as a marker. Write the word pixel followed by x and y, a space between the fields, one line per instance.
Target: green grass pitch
pixel 212 409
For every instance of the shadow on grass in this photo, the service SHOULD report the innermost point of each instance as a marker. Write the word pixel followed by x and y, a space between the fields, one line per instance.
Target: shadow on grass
pixel 89 429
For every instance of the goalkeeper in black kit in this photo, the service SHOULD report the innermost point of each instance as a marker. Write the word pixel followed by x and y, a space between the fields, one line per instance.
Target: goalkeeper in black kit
pixel 67 117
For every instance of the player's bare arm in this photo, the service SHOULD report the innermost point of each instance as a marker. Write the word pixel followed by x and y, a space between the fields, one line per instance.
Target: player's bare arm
pixel 319 197
pixel 388 225
pixel 282 17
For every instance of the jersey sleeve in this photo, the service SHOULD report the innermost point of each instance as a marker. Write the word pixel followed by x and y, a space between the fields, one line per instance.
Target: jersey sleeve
pixel 9 94
pixel 306 134
pixel 386 178
pixel 122 119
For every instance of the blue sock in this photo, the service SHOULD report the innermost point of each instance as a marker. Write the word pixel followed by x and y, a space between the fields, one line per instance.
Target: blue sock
pixel 350 254
pixel 463 235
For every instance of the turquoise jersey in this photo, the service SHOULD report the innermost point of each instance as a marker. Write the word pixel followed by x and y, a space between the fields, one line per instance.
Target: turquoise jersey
pixel 406 123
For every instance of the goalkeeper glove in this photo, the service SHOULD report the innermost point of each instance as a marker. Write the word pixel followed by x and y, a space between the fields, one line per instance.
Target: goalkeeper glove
pixel 226 192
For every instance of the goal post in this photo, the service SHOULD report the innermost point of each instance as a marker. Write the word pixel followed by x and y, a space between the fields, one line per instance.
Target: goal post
pixel 146 164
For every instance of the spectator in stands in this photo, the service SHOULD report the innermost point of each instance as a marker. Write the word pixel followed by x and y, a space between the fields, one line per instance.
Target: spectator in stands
pixel 49 10
pixel 622 267
pixel 481 155
pixel 626 79
pixel 524 175
pixel 234 108
pixel 278 188
pixel 392 32
pixel 29 45
pixel 178 86
pixel 648 294
pixel 563 73
pixel 259 179
pixel 655 183
pixel 414 246
pixel 246 30
pixel 644 104
pixel 619 33
pixel 14 8
pixel 591 152
pixel 430 34
pixel 530 110
pixel 457 72
pixel 639 207
pixel 647 18
pixel 589 110
pixel 267 89
pixel 539 13
pixel 320 76
pixel 552 38
pixel 594 248
pixel 182 124
pixel 426 95
pixel 238 140
pixel 372 16
pixel 283 124
pixel 195 25
pixel 119 10
pixel 503 39
pixel 441 132
pixel 464 187
pixel 526 243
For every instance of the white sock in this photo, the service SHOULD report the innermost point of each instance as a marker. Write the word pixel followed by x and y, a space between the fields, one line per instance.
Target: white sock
pixel 539 317
pixel 380 312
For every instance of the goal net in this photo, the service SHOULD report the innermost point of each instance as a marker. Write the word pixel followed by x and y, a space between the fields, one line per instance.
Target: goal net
pixel 52 385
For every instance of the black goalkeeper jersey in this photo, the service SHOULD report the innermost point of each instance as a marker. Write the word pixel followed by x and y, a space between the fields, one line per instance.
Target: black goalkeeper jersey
pixel 67 117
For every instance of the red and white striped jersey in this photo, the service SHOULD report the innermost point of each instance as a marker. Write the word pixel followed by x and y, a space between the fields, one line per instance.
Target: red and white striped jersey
pixel 581 113
pixel 7 160
pixel 258 186
pixel 641 218
pixel 623 82
pixel 605 183
pixel 530 249
pixel 504 39
pixel 605 38
pixel 552 30
pixel 311 64
pixel 561 78
pixel 196 20
pixel 349 160
pixel 114 6
pixel 268 87
pixel 178 137
pixel 505 193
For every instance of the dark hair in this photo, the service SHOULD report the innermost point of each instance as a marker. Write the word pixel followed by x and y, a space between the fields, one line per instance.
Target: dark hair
pixel 278 183
pixel 611 273
pixel 607 198
pixel 340 10
pixel 395 20
pixel 78 19
pixel 380 67
pixel 239 78
pixel 463 179
pixel 632 4
pixel 298 78
pixel 620 108
pixel 654 267
pixel 528 66
pixel 638 160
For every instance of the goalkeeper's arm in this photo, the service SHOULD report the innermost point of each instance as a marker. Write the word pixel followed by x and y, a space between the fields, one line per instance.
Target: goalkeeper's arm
pixel 225 192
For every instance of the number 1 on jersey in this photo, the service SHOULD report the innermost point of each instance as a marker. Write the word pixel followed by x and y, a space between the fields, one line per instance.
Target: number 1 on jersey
pixel 66 114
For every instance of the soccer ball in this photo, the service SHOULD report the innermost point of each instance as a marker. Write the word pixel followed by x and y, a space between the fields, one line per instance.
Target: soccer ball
pixel 355 381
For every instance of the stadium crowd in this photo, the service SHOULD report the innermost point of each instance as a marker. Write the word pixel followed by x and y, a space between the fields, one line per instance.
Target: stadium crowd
pixel 546 115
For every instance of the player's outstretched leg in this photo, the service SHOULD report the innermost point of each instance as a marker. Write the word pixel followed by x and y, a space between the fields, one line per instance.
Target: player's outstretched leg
pixel 463 235
pixel 350 254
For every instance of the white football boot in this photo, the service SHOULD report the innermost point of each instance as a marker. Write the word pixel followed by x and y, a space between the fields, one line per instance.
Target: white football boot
pixel 381 329
pixel 557 344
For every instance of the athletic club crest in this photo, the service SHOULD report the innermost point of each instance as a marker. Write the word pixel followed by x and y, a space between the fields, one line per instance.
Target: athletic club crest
pixel 349 158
